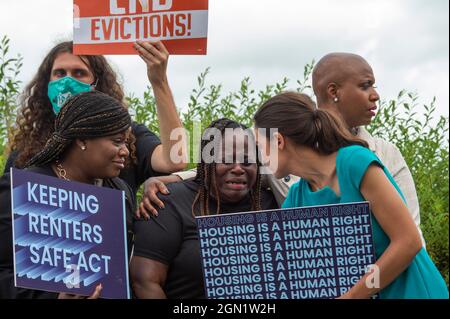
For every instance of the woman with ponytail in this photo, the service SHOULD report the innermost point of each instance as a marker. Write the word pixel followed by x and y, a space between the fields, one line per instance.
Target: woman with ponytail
pixel 336 167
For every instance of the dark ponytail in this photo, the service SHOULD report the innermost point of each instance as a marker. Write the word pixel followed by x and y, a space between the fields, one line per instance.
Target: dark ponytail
pixel 297 118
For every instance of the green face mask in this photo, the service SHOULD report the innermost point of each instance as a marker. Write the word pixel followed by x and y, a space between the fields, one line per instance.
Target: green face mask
pixel 62 89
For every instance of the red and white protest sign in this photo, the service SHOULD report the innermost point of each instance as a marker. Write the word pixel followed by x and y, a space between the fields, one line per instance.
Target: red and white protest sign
pixel 112 26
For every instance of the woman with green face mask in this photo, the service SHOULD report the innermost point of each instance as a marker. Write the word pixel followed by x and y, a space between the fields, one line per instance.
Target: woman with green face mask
pixel 63 74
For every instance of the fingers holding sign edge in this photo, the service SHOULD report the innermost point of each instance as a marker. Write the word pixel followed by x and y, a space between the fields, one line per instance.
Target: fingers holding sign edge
pixel 145 55
pixel 154 51
pixel 96 293
pixel 156 47
pixel 161 47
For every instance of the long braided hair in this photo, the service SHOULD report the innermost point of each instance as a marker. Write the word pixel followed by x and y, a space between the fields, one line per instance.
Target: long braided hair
pixel 206 174
pixel 83 116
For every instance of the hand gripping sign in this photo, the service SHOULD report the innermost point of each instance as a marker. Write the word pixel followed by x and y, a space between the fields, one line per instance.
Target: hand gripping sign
pixel 68 237
pixel 112 26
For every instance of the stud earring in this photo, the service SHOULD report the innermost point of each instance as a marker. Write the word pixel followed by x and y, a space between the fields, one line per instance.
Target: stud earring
pixel 336 100
pixel 83 148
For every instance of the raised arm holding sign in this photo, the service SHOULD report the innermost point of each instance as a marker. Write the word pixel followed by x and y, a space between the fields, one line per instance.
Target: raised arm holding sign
pixel 63 74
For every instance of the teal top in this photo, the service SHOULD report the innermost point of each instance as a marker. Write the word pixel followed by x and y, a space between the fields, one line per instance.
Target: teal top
pixel 421 280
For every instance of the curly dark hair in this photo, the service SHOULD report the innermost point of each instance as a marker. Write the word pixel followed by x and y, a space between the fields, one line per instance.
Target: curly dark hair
pixel 205 173
pixel 35 121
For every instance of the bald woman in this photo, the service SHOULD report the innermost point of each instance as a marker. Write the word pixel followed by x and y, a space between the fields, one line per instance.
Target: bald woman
pixel 344 84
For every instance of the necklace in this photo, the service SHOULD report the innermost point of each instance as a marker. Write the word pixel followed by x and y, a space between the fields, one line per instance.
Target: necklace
pixel 62 173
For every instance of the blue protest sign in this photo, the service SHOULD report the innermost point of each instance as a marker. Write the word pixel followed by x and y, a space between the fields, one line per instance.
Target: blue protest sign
pixel 299 253
pixel 68 237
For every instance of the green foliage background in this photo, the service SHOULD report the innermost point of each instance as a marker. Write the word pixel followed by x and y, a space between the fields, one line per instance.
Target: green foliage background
pixel 413 128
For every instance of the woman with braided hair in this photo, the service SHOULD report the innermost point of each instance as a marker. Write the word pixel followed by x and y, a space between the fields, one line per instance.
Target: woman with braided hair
pixel 166 258
pixel 63 74
pixel 88 145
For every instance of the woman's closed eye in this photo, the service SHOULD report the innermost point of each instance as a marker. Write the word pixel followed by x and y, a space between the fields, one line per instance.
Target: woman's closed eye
pixel 119 141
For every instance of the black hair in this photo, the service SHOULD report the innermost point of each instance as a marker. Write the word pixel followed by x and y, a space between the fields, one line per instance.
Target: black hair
pixel 87 115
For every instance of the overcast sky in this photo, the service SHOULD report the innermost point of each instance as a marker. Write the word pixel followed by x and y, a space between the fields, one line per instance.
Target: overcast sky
pixel 405 41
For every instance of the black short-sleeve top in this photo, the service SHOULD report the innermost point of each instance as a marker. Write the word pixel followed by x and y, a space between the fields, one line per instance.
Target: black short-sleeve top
pixel 172 238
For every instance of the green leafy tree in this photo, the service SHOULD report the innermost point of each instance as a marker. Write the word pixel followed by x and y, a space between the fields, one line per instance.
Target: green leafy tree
pixel 423 141
pixel 9 90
